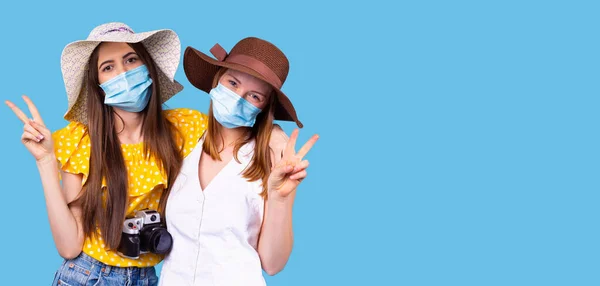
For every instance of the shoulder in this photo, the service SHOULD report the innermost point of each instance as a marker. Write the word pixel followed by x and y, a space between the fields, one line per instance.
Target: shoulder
pixel 185 115
pixel 277 143
pixel 190 126
pixel 72 148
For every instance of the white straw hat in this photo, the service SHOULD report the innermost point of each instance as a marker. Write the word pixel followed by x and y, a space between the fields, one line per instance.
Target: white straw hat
pixel 163 46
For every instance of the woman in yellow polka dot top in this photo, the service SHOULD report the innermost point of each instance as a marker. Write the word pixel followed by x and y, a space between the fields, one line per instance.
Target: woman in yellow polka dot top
pixel 118 153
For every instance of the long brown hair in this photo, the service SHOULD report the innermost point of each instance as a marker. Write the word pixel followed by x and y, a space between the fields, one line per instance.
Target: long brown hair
pixel 106 159
pixel 260 166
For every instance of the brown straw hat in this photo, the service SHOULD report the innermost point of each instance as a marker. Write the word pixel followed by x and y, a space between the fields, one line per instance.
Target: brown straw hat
pixel 253 56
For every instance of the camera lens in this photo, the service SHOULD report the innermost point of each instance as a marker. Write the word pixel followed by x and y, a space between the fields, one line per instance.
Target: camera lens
pixel 160 241
pixel 153 218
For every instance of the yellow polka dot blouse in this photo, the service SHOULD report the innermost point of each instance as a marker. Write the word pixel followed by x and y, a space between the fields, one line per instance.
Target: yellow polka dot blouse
pixel 146 181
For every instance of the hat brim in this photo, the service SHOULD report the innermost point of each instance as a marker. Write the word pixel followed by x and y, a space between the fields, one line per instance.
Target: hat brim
pixel 163 46
pixel 200 69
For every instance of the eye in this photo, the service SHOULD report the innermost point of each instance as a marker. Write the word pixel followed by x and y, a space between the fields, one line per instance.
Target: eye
pixel 232 83
pixel 107 68
pixel 256 97
pixel 131 60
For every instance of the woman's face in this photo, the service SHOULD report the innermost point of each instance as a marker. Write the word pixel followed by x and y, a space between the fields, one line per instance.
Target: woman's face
pixel 115 59
pixel 248 87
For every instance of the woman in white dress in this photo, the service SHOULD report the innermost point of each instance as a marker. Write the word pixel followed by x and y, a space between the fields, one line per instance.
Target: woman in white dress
pixel 230 209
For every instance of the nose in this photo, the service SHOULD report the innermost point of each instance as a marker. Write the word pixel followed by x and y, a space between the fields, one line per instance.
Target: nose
pixel 119 69
pixel 239 91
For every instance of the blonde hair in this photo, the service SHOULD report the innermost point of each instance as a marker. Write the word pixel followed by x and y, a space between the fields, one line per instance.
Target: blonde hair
pixel 260 165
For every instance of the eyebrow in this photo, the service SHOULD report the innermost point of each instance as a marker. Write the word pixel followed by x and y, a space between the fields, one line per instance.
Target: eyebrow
pixel 260 93
pixel 111 61
pixel 234 78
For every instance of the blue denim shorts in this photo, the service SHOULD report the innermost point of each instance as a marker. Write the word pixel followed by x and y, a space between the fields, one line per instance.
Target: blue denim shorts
pixel 85 270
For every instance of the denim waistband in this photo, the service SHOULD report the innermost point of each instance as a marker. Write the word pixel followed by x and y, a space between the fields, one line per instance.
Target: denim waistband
pixel 106 269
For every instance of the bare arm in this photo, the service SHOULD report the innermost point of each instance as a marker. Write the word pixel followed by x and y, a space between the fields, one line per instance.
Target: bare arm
pixel 276 237
pixel 65 222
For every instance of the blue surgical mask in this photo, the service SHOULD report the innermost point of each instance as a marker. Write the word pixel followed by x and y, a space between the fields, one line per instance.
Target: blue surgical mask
pixel 231 110
pixel 130 90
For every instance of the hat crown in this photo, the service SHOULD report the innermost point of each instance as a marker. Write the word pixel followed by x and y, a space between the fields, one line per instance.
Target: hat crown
pixel 264 52
pixel 109 28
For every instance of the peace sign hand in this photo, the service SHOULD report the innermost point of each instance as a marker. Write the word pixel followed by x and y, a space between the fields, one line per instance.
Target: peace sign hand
pixel 291 170
pixel 36 137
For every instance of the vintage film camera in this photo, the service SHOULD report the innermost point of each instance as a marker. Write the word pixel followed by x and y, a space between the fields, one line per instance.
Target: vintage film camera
pixel 144 233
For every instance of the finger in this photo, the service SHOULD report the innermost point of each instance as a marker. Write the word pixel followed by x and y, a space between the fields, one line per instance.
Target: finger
pixel 33 110
pixel 287 169
pixel 33 131
pixel 281 170
pixel 290 147
pixel 29 137
pixel 41 128
pixel 17 111
pixel 307 146
pixel 301 166
pixel 299 176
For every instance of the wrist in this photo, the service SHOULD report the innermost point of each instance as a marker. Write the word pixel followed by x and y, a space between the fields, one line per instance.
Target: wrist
pixel 275 197
pixel 46 161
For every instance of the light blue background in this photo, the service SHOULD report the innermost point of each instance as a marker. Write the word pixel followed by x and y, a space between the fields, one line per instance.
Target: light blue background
pixel 459 139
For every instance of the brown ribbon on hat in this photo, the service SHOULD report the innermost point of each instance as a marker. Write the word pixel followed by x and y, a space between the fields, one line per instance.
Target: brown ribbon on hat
pixel 247 61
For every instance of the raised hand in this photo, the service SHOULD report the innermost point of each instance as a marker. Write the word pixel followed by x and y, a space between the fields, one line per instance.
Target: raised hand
pixel 291 170
pixel 36 137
